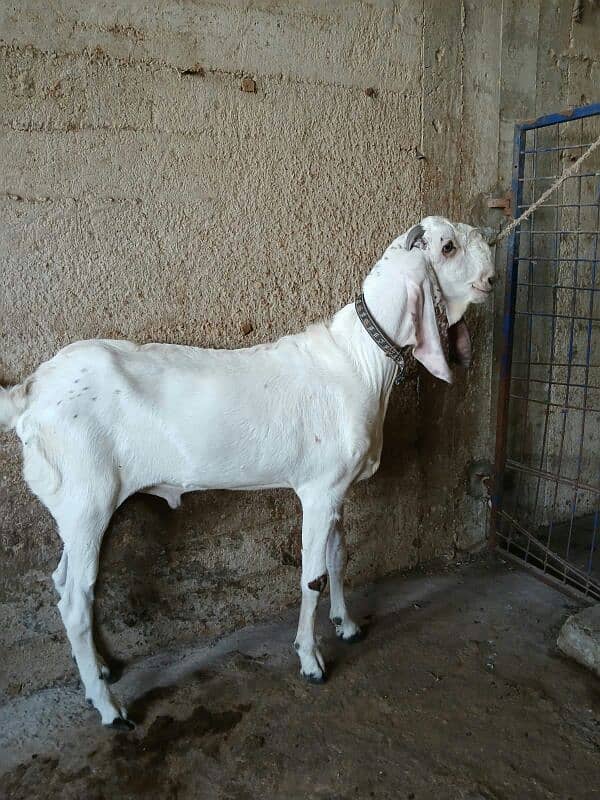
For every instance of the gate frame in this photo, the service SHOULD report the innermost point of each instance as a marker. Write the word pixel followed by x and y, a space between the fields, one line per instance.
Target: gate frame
pixel 508 323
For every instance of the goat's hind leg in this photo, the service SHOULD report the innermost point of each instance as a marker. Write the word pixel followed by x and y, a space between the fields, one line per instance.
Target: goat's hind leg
pixel 82 534
pixel 59 576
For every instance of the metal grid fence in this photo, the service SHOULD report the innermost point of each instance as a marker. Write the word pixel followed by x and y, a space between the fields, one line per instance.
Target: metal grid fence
pixel 546 505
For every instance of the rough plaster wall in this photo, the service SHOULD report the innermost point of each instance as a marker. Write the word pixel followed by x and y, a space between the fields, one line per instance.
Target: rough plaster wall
pixel 143 195
pixel 549 63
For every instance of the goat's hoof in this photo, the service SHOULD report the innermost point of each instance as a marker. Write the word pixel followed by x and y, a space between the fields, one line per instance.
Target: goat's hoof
pixel 122 724
pixel 358 636
pixel 314 677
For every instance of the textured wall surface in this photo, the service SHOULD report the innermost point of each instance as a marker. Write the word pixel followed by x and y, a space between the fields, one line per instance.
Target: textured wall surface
pixel 145 195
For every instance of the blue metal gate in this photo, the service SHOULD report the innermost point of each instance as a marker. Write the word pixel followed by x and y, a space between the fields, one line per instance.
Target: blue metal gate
pixel 546 504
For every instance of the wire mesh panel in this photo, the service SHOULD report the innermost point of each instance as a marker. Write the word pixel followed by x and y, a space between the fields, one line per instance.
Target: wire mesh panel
pixel 547 490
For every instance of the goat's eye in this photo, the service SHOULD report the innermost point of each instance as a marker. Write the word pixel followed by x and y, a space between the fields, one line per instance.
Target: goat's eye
pixel 448 248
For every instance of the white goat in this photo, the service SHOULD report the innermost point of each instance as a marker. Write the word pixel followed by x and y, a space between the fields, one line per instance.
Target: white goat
pixel 105 419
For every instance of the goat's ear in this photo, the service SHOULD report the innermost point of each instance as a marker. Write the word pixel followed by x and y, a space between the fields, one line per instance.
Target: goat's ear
pixel 460 344
pixel 428 348
pixel 414 238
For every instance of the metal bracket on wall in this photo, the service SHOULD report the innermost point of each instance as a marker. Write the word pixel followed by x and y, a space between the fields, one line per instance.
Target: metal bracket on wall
pixel 503 203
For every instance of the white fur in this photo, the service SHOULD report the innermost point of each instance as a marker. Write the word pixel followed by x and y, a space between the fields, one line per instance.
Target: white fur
pixel 105 419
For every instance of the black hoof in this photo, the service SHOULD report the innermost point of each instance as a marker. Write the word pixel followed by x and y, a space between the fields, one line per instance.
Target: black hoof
pixel 115 670
pixel 313 678
pixel 356 637
pixel 121 724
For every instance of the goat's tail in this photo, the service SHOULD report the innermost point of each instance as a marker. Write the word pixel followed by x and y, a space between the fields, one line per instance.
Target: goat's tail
pixel 13 401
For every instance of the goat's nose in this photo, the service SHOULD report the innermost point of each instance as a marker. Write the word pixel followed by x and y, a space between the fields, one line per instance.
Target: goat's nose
pixel 492 280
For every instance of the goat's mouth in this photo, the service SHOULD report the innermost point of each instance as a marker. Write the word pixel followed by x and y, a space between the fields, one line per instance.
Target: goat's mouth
pixel 482 291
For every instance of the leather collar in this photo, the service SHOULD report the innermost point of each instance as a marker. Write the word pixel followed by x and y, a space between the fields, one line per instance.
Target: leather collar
pixel 381 339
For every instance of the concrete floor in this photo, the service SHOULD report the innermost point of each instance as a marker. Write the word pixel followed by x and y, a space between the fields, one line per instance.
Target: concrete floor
pixel 457 691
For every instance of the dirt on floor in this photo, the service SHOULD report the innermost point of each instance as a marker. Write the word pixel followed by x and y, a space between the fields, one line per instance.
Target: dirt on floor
pixel 457 691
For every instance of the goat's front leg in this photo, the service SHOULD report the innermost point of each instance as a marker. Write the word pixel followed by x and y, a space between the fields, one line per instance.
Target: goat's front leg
pixel 345 627
pixel 320 515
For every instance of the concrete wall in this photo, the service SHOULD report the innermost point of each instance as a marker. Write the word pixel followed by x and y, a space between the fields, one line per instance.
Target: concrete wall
pixel 145 195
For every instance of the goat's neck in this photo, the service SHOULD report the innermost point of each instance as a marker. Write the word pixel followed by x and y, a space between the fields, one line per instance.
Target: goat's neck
pixel 385 296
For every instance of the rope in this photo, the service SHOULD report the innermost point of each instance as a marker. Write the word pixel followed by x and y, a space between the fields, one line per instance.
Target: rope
pixel 543 197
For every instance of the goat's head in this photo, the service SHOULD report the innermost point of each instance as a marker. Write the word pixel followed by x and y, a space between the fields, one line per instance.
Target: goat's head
pixel 461 259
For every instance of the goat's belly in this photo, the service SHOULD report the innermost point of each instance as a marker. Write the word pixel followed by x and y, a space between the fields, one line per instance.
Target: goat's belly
pixel 369 469
pixel 168 456
pixel 172 494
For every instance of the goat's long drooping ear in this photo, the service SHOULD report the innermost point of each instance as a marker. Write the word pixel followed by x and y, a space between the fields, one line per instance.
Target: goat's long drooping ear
pixel 428 348
pixel 414 238
pixel 460 344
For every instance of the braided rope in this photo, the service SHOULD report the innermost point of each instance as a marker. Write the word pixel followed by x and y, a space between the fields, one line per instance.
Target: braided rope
pixel 543 197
